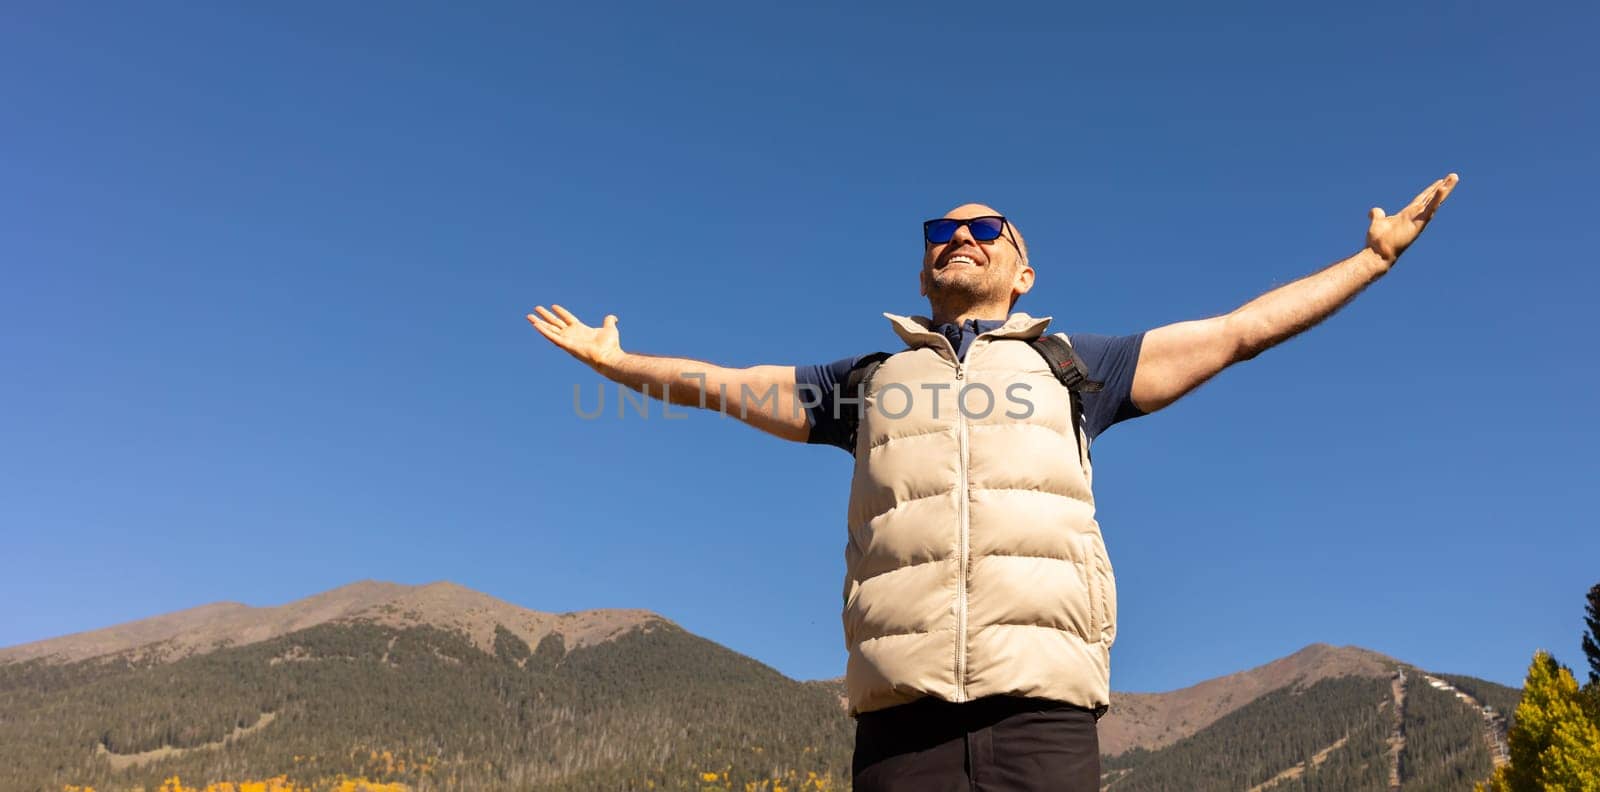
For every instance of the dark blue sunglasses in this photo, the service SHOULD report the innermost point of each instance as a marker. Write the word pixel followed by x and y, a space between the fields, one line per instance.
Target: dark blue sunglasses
pixel 983 229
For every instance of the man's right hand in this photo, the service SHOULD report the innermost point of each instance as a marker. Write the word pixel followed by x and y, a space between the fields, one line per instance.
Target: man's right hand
pixel 595 346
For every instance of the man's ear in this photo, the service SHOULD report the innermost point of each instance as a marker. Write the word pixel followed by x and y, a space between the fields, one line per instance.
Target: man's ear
pixel 1022 283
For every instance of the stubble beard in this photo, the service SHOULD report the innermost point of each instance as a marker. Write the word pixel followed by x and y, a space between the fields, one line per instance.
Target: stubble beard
pixel 960 294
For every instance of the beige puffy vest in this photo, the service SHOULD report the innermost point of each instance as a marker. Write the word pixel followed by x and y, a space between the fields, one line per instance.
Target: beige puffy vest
pixel 975 566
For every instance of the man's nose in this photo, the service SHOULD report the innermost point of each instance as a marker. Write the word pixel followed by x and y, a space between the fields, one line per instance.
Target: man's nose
pixel 962 236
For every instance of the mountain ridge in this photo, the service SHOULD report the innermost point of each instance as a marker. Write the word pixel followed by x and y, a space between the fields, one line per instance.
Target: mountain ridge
pixel 178 634
pixel 485 692
pixel 1155 720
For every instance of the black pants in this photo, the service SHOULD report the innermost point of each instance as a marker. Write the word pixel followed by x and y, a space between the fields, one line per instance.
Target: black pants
pixel 993 744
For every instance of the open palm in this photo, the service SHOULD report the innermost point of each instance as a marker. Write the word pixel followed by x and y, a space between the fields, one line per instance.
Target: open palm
pixel 592 345
pixel 1390 235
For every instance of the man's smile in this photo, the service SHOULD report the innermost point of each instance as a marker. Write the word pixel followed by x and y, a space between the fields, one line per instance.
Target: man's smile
pixel 960 259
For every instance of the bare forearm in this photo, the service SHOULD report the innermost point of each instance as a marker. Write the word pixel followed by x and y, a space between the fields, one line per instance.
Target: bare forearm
pixel 763 396
pixel 681 381
pixel 1288 310
pixel 1176 358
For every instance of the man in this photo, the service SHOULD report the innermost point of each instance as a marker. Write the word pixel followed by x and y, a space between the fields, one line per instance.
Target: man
pixel 980 607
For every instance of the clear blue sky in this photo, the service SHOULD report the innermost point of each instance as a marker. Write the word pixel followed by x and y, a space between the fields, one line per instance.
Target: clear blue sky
pixel 265 275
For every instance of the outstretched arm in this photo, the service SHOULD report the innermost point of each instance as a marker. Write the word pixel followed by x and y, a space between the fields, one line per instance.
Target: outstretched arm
pixel 1177 358
pixel 762 396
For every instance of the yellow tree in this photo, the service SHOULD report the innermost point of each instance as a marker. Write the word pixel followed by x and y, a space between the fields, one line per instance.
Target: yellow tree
pixel 1554 745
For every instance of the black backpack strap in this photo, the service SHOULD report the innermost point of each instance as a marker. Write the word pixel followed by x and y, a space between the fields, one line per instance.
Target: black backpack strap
pixel 1065 364
pixel 1069 368
pixel 850 392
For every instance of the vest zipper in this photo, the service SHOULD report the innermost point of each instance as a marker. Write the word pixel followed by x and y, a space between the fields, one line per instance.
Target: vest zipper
pixel 965 540
pixel 966 525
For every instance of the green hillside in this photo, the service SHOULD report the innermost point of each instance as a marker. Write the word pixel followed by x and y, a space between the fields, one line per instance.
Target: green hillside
pixel 1331 735
pixel 437 688
pixel 1273 734
pixel 1444 742
pixel 656 707
pixel 1503 699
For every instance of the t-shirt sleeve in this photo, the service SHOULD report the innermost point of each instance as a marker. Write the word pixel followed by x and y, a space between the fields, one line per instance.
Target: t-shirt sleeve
pixel 817 388
pixel 1111 360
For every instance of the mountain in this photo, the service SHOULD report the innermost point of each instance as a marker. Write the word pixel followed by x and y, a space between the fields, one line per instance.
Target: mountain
pixel 1155 720
pixel 435 686
pixel 441 687
pixel 1324 718
pixel 175 636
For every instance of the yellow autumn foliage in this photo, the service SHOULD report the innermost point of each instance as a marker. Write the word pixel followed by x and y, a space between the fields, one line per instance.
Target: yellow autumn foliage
pixel 274 784
pixel 1554 745
pixel 787 781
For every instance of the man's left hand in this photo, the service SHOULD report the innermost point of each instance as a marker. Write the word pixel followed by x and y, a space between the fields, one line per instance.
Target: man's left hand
pixel 1390 235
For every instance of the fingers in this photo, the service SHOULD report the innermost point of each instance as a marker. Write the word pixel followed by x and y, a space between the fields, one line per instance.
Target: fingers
pixel 566 314
pixel 1411 210
pixel 1423 215
pixel 548 317
pixel 1431 192
pixel 1420 202
pixel 1446 184
pixel 556 324
pixel 545 329
pixel 550 326
pixel 1422 207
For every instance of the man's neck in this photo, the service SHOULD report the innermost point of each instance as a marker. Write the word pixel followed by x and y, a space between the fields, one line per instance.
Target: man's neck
pixel 961 317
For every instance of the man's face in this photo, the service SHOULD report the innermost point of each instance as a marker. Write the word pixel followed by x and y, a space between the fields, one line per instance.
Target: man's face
pixel 965 270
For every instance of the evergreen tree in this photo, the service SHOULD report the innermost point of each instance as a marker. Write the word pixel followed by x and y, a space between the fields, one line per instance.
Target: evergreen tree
pixel 1591 639
pixel 1591 650
pixel 1554 744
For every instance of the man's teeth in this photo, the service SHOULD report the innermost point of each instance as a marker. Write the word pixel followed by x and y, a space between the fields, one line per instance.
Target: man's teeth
pixel 965 259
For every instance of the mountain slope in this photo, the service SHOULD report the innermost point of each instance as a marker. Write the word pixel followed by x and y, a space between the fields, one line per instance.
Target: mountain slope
pixel 441 687
pixel 1329 734
pixel 420 705
pixel 1155 720
pixel 178 635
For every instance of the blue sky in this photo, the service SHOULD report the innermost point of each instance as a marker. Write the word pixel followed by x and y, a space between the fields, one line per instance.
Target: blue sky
pixel 266 271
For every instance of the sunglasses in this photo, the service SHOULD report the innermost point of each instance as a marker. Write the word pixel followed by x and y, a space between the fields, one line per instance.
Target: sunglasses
pixel 983 229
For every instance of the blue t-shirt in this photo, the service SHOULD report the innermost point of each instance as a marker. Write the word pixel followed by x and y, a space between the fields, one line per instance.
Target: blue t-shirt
pixel 1110 360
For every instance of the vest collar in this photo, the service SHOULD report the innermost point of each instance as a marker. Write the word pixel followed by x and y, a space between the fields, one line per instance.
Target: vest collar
pixel 917 331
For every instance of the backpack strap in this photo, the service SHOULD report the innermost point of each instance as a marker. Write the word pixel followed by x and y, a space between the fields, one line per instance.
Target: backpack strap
pixel 852 390
pixel 1065 364
pixel 1070 370
pixel 1057 352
